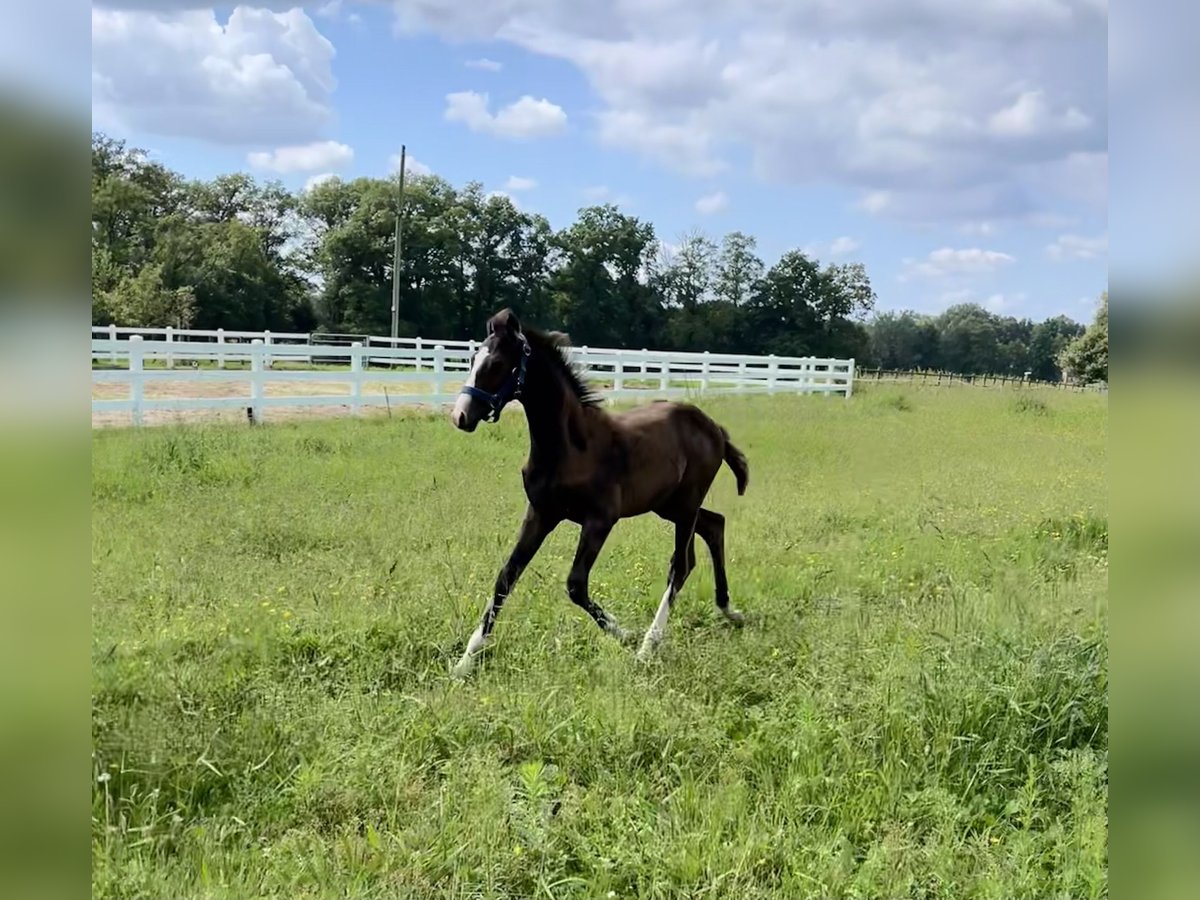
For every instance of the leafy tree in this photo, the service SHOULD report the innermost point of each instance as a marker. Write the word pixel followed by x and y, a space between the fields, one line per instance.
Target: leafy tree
pixel 903 340
pixel 1086 357
pixel 969 339
pixel 144 301
pixel 599 294
pixel 1047 341
pixel 739 269
pixel 237 253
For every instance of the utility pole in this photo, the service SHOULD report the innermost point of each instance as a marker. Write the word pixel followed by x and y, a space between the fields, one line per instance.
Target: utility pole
pixel 396 263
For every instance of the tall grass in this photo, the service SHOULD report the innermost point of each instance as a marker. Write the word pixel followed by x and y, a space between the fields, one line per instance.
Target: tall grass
pixel 917 705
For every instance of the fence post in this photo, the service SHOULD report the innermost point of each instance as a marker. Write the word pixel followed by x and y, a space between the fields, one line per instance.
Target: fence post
pixel 267 351
pixel 439 369
pixel 419 344
pixel 112 336
pixel 644 352
pixel 356 377
pixel 772 373
pixel 256 379
pixel 619 371
pixel 136 383
pixel 704 371
pixel 220 348
pixel 849 378
pixel 170 356
pixel 664 373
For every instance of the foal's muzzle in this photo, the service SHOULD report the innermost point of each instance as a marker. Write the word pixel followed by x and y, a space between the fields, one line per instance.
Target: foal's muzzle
pixel 463 421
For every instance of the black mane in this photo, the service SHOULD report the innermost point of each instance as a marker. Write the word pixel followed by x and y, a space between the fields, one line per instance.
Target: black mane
pixel 554 348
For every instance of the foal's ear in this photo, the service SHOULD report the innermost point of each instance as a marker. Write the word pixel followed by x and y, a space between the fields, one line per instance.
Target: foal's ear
pixel 559 338
pixel 504 323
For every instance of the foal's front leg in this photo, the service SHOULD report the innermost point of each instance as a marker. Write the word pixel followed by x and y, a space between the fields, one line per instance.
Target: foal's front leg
pixel 591 539
pixel 534 529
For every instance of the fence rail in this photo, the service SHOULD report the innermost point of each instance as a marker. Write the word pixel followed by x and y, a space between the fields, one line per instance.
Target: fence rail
pixel 934 377
pixel 421 371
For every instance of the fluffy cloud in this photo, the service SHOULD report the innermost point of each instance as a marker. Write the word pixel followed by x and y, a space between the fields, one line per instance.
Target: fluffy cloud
pixel 713 203
pixel 1030 115
pixel 260 77
pixel 1004 303
pixel 485 64
pixel 519 183
pixel 303 158
pixel 526 118
pixel 602 193
pixel 948 262
pixel 684 148
pixel 933 110
pixel 839 246
pixel 314 180
pixel 412 165
pixel 1074 246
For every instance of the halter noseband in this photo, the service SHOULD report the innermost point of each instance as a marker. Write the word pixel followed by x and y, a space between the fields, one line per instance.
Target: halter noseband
pixel 510 390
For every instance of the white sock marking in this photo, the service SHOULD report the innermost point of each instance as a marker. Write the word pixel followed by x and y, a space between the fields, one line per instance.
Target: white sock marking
pixel 474 645
pixel 658 627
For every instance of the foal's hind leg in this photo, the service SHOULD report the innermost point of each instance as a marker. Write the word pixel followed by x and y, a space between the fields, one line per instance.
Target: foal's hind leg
pixel 711 528
pixel 682 563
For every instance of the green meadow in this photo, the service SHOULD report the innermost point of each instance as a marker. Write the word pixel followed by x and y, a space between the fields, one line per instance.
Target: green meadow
pixel 916 706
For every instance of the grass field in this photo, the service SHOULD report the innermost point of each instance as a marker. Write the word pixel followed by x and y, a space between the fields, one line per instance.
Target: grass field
pixel 916 707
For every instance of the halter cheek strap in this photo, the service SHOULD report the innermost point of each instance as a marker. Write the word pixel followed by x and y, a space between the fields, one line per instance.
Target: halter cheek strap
pixel 510 390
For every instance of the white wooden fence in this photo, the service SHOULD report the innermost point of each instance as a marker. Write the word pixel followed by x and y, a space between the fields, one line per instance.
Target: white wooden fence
pixel 385 371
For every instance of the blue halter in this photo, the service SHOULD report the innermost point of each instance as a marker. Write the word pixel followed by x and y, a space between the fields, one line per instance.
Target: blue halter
pixel 510 390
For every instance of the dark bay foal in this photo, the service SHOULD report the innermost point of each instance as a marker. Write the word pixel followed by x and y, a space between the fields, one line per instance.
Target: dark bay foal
pixel 593 468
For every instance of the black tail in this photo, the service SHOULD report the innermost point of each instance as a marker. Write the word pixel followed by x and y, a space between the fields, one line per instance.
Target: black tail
pixel 736 460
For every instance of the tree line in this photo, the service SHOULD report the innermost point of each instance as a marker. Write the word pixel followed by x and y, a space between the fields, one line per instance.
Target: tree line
pixel 239 254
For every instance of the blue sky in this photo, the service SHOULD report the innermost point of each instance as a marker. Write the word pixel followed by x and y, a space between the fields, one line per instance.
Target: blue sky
pixel 959 150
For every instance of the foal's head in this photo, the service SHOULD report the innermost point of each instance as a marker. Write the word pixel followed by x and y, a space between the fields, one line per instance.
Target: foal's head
pixel 497 373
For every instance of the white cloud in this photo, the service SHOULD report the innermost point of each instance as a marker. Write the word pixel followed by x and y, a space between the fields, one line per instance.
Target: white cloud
pixel 1005 303
pixel 932 110
pixel 711 204
pixel 840 246
pixel 303 158
pixel 526 118
pixel 412 165
pixel 999 303
pixel 1030 115
pixel 519 183
pixel 949 262
pixel 980 229
pixel 602 193
pixel 875 202
pixel 485 64
pixel 1075 246
pixel 314 180
pixel 683 148
pixel 258 77
pixel 843 246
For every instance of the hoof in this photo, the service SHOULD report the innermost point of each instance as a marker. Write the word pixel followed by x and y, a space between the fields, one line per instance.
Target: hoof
pixel 734 616
pixel 646 651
